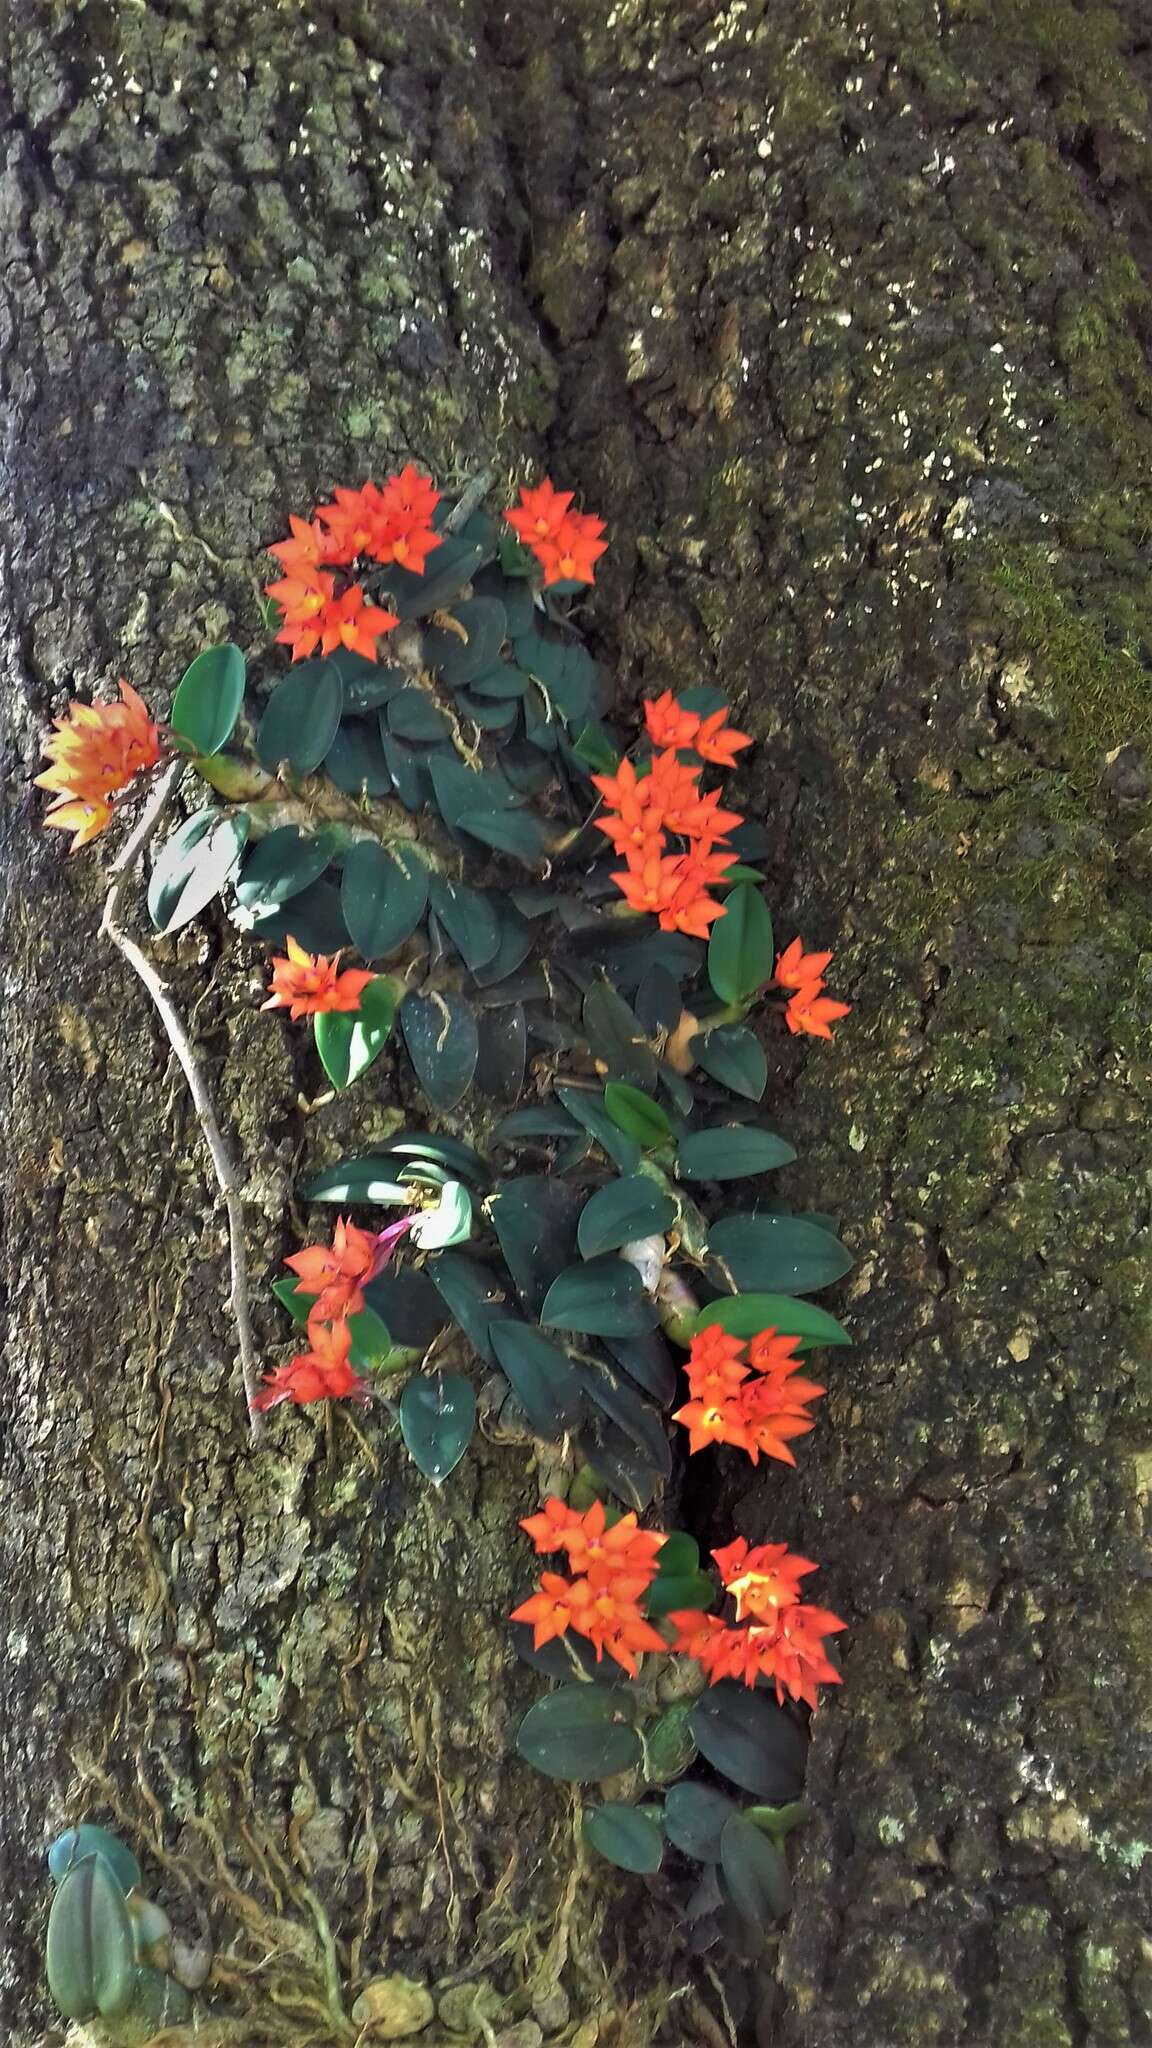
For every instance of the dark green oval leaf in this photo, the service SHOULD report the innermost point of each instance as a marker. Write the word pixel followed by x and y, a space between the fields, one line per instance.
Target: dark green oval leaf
pixel 541 1377
pixel 535 1218
pixel 473 1296
pixel 462 660
pixel 355 760
pixel 622 1212
pixel 755 1873
pixel 357 1180
pixel 443 1045
pixel 90 1840
pixel 301 718
pixel 734 1057
pixel 437 1417
pixel 383 895
pixel 604 1298
pixel 314 919
pixel 625 1836
pixel 744 1315
pixel 503 1052
pixel 459 1160
pixel 349 1040
pixel 367 684
pixel 469 918
pixel 516 832
pixel 587 1106
pixel 194 865
pixel 731 1152
pixel 695 1817
pixel 648 1361
pixel 740 950
pixel 637 1114
pixel 413 715
pixel 616 1038
pixel 280 866
pixel 208 698
pixel 783 1253
pixel 579 1733
pixel 745 1735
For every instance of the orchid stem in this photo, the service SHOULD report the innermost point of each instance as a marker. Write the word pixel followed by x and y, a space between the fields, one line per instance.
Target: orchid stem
pixel 229 1178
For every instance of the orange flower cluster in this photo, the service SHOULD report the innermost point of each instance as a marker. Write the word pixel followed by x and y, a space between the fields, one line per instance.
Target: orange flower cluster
pixel 567 543
pixel 613 1568
pixel 807 1009
pixel 643 809
pixel 321 609
pixel 337 1275
pixel 745 1394
pixel 778 1637
pixel 96 751
pixel 308 984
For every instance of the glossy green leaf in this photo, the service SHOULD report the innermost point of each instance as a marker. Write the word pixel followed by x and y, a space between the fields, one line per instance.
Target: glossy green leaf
pixel 474 1297
pixel 743 1315
pixel 383 895
pixel 595 749
pixel 518 833
pixel 468 917
pixel 450 567
pixel 437 1418
pixel 755 1873
pixel 490 714
pixel 414 715
pixel 617 1466
pixel 355 760
pixel 587 1106
pixel 367 684
pixel 740 951
pixel 636 1114
pixel 301 718
pixel 460 1161
pixel 280 867
pixel 194 866
pixel 523 1125
pixel 564 1658
pixel 458 789
pixel 641 1424
pixel 625 1836
pixel 735 1057
pixel 695 1817
pixel 460 660
pixel 679 1553
pixel 616 1038
pixel 450 1222
pixel 563 666
pixel 89 1950
pixel 349 1040
pixel 405 768
pixel 749 1739
pixel 621 1213
pixel 647 1360
pixel 730 1152
pixel 372 1179
pixel 89 1840
pixel 313 918
pixel 501 684
pixel 673 1595
pixel 372 1341
pixel 784 1253
pixel 443 1045
pixel 503 1052
pixel 659 1004
pixel 516 941
pixel 604 1298
pixel 778 1821
pixel 579 1733
pixel 409 1305
pixel 535 1217
pixel 541 1377
pixel 208 698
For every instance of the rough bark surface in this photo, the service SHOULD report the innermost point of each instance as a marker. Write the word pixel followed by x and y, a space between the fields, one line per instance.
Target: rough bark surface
pixel 840 313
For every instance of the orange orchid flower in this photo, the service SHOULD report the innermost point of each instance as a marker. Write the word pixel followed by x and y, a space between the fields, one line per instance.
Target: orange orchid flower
pixel 810 1012
pixel 306 984
pixel 540 513
pixel 303 599
pixel 572 551
pixel 95 751
pixel 410 498
pixel 761 1579
pixel 308 547
pixel 349 622
pixel 667 722
pixel 719 743
pixel 796 969
pixel 335 1273
pixel 322 1373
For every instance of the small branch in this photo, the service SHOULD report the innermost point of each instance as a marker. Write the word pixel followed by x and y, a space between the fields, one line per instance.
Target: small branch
pixel 228 1175
pixel 472 495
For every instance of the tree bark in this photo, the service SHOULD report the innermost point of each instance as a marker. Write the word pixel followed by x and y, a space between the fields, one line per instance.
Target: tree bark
pixel 839 313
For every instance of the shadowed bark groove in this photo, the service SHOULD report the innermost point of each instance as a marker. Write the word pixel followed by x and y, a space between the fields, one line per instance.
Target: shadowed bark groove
pixel 839 313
